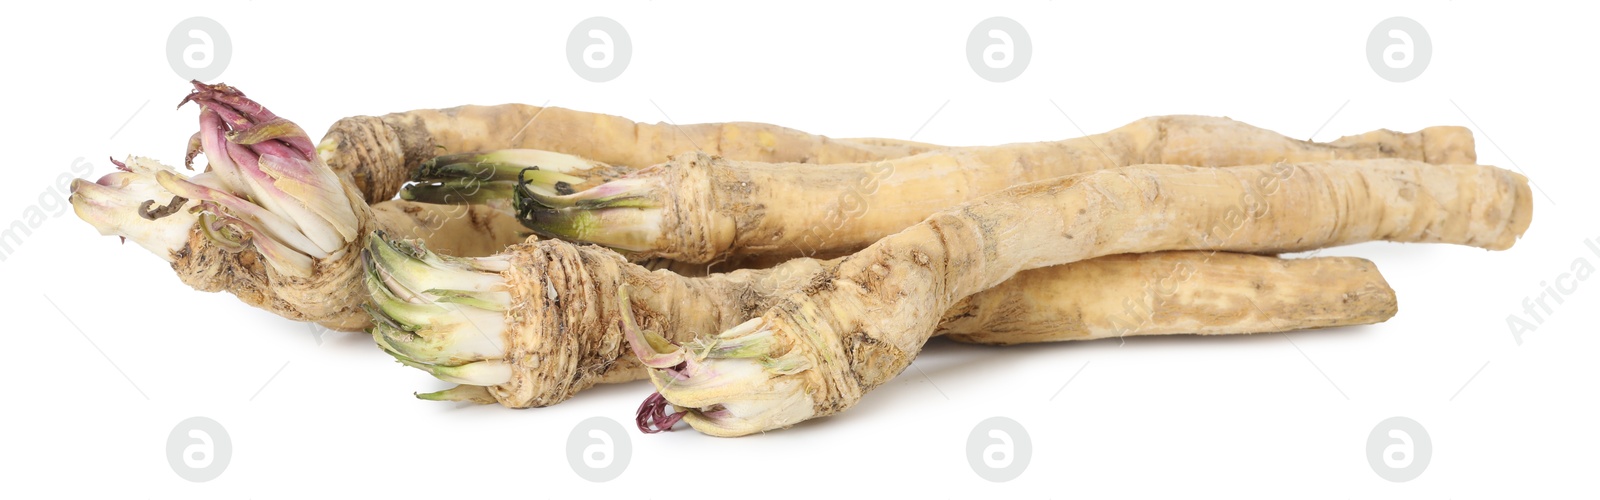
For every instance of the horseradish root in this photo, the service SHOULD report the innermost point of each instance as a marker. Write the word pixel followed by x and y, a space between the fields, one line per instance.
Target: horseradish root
pixel 1165 293
pixel 699 208
pixel 861 319
pixel 541 321
pixel 379 153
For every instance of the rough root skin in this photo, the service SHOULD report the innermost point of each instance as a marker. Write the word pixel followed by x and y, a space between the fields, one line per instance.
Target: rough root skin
pixel 559 343
pixel 718 209
pixel 693 220
pixel 864 326
pixel 376 154
pixel 562 322
pixel 379 153
pixel 1167 293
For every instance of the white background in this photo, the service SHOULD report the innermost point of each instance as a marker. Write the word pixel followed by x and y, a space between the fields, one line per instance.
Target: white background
pixel 89 410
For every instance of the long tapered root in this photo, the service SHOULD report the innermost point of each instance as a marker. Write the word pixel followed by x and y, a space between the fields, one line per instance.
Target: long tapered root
pixel 581 316
pixel 1163 293
pixel 863 320
pixel 699 208
pixel 379 153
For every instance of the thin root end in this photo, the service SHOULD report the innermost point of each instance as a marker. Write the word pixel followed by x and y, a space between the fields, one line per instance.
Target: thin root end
pixel 653 416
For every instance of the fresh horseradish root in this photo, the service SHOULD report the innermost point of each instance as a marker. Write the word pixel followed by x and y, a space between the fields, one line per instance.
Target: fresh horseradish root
pixel 486 178
pixel 267 221
pixel 1163 293
pixel 861 319
pixel 699 213
pixel 699 208
pixel 379 153
pixel 541 321
pixel 283 224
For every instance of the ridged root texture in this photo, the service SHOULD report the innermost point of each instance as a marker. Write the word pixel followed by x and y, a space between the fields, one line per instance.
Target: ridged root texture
pixel 866 317
pixel 359 148
pixel 694 221
pixel 379 153
pixel 560 342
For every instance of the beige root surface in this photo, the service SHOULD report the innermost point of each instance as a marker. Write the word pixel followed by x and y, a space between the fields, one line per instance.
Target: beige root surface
pixel 726 210
pixel 566 337
pixel 911 147
pixel 379 153
pixel 1167 293
pixel 455 230
pixel 864 317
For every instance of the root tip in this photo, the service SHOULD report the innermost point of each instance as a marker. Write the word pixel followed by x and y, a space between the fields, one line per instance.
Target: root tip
pixel 652 417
